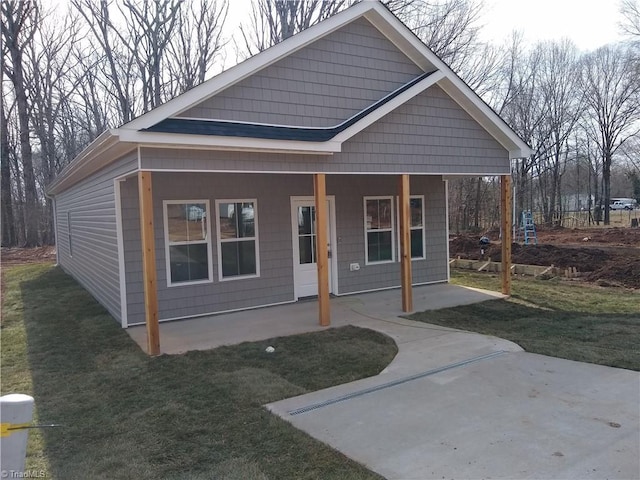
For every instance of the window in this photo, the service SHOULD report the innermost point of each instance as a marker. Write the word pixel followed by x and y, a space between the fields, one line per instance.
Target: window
pixel 416 204
pixel 379 229
pixel 237 238
pixel 187 241
pixel 416 212
pixel 307 234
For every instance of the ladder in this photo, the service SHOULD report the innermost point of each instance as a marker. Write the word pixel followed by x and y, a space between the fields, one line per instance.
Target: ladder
pixel 528 228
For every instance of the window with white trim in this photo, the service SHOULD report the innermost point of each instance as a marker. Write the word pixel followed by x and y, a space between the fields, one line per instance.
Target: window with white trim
pixel 379 229
pixel 187 237
pixel 237 228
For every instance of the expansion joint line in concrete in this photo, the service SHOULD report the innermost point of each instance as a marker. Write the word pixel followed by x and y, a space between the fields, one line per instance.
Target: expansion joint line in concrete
pixel 400 381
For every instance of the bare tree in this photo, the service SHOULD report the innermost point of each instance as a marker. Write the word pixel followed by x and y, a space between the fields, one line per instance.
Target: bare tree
pixel 272 21
pixel 196 44
pixel 116 51
pixel 630 10
pixel 151 51
pixel 612 96
pixel 8 221
pixel 562 100
pixel 90 110
pixel 520 104
pixel 50 61
pixel 449 28
pixel 19 22
pixel 150 26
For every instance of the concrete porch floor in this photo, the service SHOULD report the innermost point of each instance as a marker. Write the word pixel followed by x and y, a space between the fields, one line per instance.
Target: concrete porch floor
pixel 372 310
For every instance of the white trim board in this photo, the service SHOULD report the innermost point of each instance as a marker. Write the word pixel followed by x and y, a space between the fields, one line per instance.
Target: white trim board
pixel 446 212
pixel 55 228
pixel 228 143
pixel 308 172
pixel 122 274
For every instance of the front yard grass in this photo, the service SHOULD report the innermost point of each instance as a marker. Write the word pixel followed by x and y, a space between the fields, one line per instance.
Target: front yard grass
pixel 192 416
pixel 552 317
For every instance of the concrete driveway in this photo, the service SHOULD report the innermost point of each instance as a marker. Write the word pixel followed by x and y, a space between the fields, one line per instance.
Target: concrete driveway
pixel 497 413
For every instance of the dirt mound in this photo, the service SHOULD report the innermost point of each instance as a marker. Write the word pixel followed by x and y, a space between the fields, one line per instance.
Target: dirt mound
pixel 610 256
pixel 624 273
pixel 604 236
pixel 585 260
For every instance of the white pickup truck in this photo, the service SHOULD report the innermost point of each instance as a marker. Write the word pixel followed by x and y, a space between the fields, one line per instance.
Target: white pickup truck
pixel 619 205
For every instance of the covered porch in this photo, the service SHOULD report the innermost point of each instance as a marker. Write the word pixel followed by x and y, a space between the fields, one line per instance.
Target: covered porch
pixel 236 328
pixel 375 310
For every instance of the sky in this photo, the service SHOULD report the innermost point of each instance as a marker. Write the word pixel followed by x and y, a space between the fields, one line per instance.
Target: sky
pixel 589 23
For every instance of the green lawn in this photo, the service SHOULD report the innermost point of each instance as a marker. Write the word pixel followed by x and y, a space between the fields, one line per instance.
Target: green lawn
pixel 553 317
pixel 191 416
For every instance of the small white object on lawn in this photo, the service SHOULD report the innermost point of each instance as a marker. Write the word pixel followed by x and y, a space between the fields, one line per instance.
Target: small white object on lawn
pixel 270 349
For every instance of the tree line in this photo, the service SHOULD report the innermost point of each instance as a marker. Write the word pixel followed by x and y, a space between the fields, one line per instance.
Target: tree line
pixel 69 74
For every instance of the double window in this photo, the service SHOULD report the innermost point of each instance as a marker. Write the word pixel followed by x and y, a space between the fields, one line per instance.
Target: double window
pixel 237 238
pixel 382 229
pixel 187 241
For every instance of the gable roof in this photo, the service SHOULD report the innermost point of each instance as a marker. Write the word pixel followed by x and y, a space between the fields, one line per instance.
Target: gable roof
pixel 159 127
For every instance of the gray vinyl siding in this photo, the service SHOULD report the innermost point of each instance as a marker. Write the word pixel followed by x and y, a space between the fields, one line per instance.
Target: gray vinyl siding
pixel 430 134
pixel 275 284
pixel 318 86
pixel 94 245
pixel 350 192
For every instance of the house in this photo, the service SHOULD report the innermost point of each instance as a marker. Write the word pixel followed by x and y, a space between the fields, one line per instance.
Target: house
pixel 213 202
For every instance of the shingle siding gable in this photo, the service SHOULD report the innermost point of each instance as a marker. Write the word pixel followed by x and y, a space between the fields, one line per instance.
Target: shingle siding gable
pixel 318 86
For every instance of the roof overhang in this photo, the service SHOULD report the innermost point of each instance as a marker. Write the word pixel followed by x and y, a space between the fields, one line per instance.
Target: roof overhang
pixel 161 139
pixel 102 151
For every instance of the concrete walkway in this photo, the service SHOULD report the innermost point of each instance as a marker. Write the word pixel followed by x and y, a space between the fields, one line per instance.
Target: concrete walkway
pixel 461 405
pixel 512 415
pixel 208 332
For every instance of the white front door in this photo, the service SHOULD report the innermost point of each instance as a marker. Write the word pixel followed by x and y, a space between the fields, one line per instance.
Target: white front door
pixel 305 267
